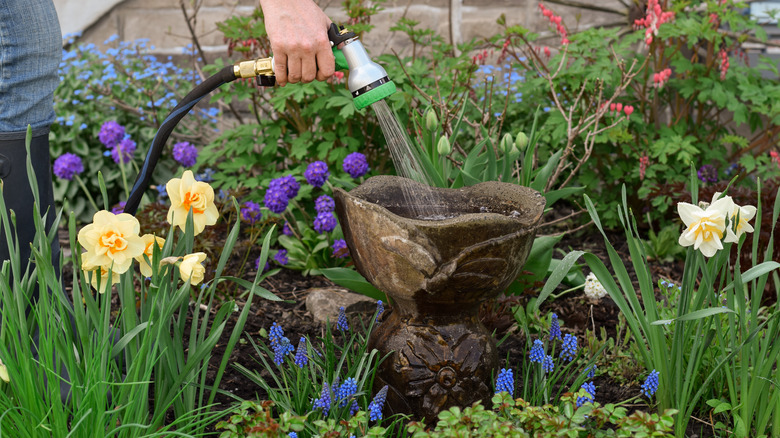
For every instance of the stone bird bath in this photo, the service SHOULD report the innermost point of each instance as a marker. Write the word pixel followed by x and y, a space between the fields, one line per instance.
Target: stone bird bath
pixel 436 273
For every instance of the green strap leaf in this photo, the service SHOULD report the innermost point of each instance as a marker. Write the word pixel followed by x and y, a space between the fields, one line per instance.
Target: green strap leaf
pixel 696 314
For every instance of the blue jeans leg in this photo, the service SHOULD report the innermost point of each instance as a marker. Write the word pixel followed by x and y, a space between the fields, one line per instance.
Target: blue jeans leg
pixel 30 54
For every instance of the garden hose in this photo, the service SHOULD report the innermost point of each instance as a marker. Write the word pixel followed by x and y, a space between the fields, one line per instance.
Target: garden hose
pixel 368 82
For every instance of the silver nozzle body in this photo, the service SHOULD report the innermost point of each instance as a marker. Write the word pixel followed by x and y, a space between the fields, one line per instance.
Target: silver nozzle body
pixel 363 72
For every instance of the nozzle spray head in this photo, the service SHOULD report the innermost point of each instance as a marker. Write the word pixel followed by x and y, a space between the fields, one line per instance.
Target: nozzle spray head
pixel 368 81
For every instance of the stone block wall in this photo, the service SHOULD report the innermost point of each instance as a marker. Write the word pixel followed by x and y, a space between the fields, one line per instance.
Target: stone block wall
pixel 162 21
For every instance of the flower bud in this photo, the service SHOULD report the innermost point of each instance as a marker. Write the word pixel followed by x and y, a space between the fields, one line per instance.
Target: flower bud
pixel 431 122
pixel 443 147
pixel 521 141
pixel 506 143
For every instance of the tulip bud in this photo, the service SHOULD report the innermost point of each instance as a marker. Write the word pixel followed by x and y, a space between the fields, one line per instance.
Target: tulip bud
pixel 507 143
pixel 521 141
pixel 431 122
pixel 443 147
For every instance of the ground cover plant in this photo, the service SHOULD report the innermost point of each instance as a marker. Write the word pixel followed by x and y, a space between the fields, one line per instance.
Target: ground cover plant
pixel 672 332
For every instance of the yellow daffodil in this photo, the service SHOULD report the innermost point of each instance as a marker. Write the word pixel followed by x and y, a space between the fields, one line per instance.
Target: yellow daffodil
pixel 187 194
pixel 705 227
pixel 111 240
pixel 191 268
pixel 4 372
pixel 148 240
pixel 101 273
pixel 738 217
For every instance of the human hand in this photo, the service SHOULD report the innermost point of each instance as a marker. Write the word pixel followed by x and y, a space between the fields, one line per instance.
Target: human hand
pixel 298 32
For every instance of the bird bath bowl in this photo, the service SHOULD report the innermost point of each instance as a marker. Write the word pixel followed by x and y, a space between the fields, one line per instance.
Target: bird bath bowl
pixel 436 274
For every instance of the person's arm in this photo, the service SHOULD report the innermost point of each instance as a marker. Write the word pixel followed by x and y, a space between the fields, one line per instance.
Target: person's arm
pixel 298 31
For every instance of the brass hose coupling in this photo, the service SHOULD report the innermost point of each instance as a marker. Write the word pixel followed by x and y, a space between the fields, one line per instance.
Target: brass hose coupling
pixel 254 68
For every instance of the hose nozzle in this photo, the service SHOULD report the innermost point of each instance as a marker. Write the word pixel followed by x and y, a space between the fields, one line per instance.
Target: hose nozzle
pixel 368 81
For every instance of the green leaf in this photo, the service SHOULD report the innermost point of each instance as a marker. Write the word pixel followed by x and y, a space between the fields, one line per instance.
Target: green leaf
pixel 558 274
pixel 352 280
pixel 696 314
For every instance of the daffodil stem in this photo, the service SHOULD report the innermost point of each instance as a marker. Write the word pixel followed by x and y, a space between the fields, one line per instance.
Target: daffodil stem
pixel 86 192
pixel 567 291
pixel 124 179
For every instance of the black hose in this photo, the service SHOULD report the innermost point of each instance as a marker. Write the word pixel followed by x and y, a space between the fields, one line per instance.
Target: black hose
pixel 158 143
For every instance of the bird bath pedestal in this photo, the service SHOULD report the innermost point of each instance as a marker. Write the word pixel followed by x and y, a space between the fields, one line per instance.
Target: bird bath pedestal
pixel 436 274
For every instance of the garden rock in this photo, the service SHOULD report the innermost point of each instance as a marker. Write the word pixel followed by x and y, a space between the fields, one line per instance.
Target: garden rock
pixel 324 303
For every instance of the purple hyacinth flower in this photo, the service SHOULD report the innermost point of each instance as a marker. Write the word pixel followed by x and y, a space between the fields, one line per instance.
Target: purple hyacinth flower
pixel 317 173
pixel 287 184
pixel 281 257
pixel 68 165
pixel 340 249
pixel 324 204
pixel 355 164
pixel 250 212
pixel 276 199
pixel 123 151
pixel 325 222
pixel 286 230
pixel 119 208
pixel 185 153
pixel 708 173
pixel 111 133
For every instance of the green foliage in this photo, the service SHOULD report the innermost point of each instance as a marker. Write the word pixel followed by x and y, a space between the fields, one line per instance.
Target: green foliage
pixel 121 82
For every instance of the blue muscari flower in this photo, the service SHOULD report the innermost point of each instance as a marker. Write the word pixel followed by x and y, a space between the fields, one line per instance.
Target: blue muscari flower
pixel 592 371
pixel 355 164
pixel 346 391
pixel 324 400
pixel 281 257
pixel 505 382
pixel 342 323
pixel 83 126
pixel 317 173
pixel 292 435
pixel 301 359
pixel 325 222
pixel 206 176
pixel 651 384
pixel 537 352
pixel 377 404
pixel 547 364
pixel 324 204
pixel 569 347
pixel 555 328
pixel 280 345
pixel 590 388
pixel 380 308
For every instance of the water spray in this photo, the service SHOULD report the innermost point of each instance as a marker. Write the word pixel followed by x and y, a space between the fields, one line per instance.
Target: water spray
pixel 367 81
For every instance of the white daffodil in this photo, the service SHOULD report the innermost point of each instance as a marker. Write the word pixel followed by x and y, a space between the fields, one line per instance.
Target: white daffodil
pixel 705 227
pixel 738 217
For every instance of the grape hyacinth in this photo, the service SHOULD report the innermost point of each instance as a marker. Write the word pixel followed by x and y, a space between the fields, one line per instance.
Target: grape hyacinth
pixel 185 153
pixel 590 388
pixel 342 323
pixel 340 249
pixel 281 257
pixel 355 164
pixel 537 352
pixel 123 151
pixel 346 391
pixel 569 347
pixel 280 345
pixel 324 400
pixel 651 384
pixel 68 165
pixel 555 328
pixel 377 404
pixel 301 359
pixel 324 204
pixel 250 212
pixel 276 199
pixel 547 364
pixel 325 222
pixel 111 133
pixel 317 173
pixel 292 435
pixel 505 382
pixel 380 309
pixel 592 371
pixel 287 184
